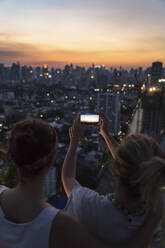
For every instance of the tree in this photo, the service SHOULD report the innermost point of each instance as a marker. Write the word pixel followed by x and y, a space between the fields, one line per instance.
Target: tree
pixel 9 175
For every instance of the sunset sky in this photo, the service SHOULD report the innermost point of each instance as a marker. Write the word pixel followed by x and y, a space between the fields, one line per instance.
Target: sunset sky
pixel 122 32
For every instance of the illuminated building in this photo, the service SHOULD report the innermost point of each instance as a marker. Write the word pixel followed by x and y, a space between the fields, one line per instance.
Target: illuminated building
pixel 153 112
pixel 109 103
pixel 45 71
pixel 156 71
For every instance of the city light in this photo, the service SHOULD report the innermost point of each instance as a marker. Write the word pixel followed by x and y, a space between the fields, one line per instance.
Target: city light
pixel 48 94
pixel 162 131
pixel 92 77
pixel 46 74
pixel 41 116
pixel 143 87
pixel 45 66
pixel 162 80
pixel 151 89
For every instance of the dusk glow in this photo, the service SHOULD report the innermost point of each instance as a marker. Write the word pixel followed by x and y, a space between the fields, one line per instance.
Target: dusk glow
pixel 126 33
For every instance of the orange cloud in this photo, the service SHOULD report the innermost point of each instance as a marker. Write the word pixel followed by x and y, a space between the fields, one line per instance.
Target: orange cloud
pixel 33 54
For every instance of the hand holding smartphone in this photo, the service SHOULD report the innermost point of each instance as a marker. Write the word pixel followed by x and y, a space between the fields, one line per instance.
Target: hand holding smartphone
pixel 90 119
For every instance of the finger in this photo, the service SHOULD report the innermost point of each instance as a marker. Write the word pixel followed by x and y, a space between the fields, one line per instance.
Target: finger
pixel 75 124
pixel 84 127
pixel 78 117
pixel 101 122
pixel 102 114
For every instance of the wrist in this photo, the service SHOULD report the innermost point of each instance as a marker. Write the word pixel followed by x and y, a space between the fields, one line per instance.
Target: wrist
pixel 104 132
pixel 74 141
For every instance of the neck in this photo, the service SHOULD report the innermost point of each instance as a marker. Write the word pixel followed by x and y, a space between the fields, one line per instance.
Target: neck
pixel 32 189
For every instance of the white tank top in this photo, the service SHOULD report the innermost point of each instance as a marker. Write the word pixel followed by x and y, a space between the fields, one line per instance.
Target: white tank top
pixel 34 234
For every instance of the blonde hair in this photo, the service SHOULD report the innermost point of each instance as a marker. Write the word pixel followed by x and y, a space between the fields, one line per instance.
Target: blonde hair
pixel 140 166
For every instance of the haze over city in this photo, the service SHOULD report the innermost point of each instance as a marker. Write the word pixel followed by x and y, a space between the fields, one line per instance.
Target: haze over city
pixel 128 33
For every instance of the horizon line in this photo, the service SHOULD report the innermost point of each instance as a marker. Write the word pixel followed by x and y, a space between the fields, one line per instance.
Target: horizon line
pixel 59 64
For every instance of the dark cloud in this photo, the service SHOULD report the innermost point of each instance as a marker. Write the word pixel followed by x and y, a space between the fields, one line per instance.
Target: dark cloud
pixel 11 54
pixel 11 50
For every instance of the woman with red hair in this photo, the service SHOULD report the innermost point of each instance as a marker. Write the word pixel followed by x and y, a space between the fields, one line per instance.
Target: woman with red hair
pixel 26 220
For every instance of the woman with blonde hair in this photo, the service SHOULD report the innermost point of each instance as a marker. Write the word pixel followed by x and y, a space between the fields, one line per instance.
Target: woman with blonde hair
pixel 139 171
pixel 26 220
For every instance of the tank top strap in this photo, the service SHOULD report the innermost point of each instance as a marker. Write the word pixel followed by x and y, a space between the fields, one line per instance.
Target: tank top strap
pixel 49 213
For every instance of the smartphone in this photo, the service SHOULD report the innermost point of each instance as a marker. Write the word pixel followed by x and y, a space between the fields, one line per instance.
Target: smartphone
pixel 89 119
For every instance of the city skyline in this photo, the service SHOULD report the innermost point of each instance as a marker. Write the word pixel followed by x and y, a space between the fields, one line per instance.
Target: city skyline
pixel 122 33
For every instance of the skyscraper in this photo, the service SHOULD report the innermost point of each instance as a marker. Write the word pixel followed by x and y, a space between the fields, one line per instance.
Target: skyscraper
pixel 15 72
pixel 153 122
pixel 2 72
pixel 109 103
pixel 156 71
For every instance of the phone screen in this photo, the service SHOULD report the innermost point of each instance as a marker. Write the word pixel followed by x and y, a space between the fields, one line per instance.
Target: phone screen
pixel 89 118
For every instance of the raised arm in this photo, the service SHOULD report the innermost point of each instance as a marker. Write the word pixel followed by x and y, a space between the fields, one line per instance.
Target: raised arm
pixel 69 165
pixel 104 130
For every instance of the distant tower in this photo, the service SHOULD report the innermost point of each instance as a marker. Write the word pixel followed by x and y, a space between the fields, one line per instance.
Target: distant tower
pixel 109 103
pixel 156 71
pixel 2 72
pixel 153 122
pixel 15 71
pixel 45 71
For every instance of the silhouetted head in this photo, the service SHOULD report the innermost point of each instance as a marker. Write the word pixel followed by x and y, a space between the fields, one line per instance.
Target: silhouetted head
pixel 32 146
pixel 140 166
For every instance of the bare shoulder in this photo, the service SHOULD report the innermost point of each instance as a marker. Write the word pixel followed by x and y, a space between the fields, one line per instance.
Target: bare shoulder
pixel 67 233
